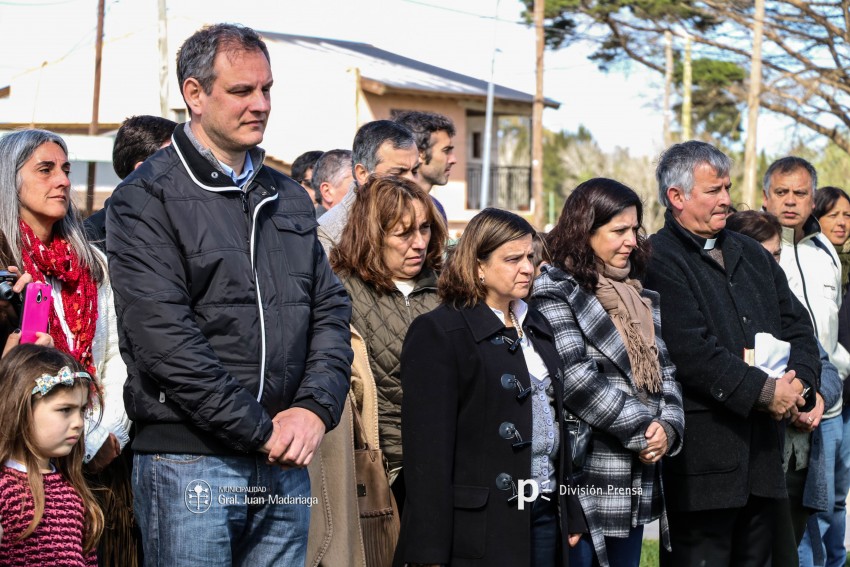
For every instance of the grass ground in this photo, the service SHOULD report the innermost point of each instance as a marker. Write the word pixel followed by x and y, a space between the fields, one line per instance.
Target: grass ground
pixel 649 554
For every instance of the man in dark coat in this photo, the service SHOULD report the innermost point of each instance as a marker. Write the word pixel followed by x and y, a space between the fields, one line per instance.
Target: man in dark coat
pixel 718 289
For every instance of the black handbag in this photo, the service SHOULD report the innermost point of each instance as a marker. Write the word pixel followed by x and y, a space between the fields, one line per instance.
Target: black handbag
pixel 578 437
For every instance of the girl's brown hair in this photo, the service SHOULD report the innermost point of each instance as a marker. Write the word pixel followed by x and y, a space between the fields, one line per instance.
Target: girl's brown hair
pixel 18 372
pixel 459 285
pixel 381 204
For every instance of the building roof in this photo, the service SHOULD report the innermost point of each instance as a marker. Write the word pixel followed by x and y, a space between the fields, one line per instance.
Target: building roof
pixel 392 72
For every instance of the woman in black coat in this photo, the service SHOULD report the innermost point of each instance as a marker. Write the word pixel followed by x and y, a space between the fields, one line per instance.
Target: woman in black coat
pixel 482 417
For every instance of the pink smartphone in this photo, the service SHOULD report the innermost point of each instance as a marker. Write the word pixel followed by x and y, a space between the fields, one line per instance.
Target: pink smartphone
pixel 35 312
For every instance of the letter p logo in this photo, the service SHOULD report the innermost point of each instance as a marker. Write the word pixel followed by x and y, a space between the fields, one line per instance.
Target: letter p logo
pixel 524 495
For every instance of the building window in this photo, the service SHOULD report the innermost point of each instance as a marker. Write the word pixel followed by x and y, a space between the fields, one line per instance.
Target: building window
pixel 476 145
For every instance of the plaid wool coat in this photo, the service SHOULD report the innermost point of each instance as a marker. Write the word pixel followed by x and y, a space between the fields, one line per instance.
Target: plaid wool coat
pixel 619 491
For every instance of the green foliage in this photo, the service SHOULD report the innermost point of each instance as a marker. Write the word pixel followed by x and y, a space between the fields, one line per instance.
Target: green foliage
pixel 563 18
pixel 554 172
pixel 571 158
pixel 717 114
pixel 710 73
pixel 805 53
pixel 833 167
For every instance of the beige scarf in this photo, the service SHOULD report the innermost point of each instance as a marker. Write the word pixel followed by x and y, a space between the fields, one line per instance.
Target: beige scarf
pixel 632 316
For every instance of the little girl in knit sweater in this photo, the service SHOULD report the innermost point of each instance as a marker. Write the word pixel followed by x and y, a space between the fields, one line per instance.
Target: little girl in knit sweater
pixel 47 513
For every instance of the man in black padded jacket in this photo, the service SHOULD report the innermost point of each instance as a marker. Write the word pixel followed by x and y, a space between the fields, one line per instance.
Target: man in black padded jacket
pixel 234 327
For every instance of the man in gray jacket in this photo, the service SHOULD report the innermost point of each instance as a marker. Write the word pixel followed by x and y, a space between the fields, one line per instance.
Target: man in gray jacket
pixel 382 147
pixel 814 275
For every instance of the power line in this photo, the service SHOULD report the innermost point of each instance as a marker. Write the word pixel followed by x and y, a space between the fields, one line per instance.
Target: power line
pixel 548 28
pixel 37 4
pixel 464 12
pixel 83 41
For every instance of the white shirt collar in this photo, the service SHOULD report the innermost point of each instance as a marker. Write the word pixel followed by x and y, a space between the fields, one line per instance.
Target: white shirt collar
pixel 13 464
pixel 518 306
pixel 709 243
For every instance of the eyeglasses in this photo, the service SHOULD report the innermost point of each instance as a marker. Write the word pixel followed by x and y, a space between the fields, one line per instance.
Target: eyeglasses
pixel 307 183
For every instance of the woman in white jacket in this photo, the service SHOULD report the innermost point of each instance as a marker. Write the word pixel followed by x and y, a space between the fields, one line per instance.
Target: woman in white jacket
pixel 44 235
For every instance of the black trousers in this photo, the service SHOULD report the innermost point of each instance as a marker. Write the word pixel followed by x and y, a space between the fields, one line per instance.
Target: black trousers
pixel 790 518
pixel 731 537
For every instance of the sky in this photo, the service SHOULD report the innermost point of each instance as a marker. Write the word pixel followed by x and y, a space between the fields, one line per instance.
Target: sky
pixel 621 108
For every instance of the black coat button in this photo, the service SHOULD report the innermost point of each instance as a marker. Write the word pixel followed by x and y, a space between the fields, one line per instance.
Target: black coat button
pixel 508 381
pixel 504 481
pixel 507 430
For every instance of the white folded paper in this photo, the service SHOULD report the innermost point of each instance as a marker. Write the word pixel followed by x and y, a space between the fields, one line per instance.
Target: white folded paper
pixel 771 354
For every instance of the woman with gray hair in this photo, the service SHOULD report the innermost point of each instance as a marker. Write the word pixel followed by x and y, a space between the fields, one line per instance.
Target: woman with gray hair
pixel 45 238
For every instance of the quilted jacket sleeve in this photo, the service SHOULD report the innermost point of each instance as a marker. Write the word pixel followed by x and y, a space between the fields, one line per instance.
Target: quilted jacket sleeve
pixel 324 387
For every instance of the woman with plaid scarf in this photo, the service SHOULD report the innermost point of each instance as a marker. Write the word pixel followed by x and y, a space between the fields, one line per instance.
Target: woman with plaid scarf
pixel 617 374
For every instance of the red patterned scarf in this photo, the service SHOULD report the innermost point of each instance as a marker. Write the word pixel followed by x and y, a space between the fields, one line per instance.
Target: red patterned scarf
pixel 79 292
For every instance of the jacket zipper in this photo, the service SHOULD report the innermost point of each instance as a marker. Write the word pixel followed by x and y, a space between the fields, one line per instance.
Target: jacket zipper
pixel 252 245
pixel 244 195
pixel 407 301
pixel 805 292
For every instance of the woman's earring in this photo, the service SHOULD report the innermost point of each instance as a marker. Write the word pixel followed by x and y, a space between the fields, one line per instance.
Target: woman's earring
pixel 481 279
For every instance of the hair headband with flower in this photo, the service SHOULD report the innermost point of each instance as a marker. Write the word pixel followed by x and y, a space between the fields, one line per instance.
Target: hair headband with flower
pixel 65 377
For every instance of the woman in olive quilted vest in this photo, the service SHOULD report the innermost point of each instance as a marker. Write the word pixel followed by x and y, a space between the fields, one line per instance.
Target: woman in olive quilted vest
pixel 387 258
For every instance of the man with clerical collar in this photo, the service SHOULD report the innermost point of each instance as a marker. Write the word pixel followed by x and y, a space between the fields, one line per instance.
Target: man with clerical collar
pixel 718 289
pixel 814 276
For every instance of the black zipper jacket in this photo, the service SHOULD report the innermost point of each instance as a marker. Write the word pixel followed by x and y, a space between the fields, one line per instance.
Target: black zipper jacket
pixel 228 310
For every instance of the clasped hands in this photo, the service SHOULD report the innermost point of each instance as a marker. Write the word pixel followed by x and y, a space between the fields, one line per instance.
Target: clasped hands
pixel 296 435
pixel 656 439
pixel 787 397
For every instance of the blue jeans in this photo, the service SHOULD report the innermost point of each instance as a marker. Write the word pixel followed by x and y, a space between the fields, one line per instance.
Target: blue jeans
pixel 831 524
pixel 622 551
pixel 544 532
pixel 833 539
pixel 220 511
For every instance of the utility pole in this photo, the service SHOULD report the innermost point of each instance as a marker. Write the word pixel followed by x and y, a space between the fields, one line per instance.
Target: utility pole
pixel 687 84
pixel 668 85
pixel 750 157
pixel 163 61
pixel 537 122
pixel 98 50
pixel 488 122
